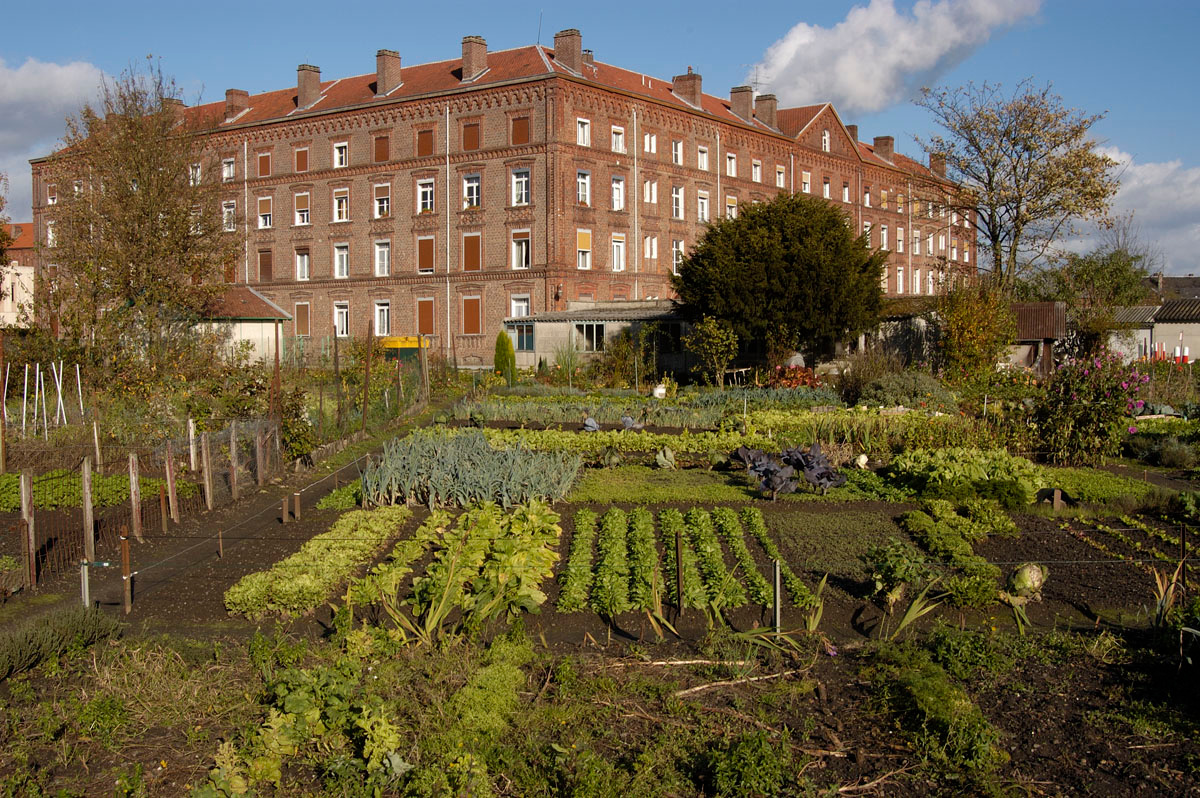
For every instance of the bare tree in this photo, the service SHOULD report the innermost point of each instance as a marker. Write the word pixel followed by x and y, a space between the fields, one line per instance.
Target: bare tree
pixel 5 239
pixel 1026 165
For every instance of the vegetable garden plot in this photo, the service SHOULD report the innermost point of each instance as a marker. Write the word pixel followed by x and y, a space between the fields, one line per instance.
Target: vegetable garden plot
pixel 1145 544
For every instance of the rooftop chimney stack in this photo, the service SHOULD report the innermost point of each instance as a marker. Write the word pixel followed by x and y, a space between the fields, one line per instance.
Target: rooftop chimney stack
pixel 175 106
pixel 387 72
pixel 884 146
pixel 937 164
pixel 588 57
pixel 474 57
pixel 567 49
pixel 765 108
pixel 853 131
pixel 236 101
pixel 687 87
pixel 308 85
pixel 741 102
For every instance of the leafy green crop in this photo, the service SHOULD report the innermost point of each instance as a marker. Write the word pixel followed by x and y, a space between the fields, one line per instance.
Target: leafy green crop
pixel 577 578
pixel 645 575
pixel 945 534
pixel 730 529
pixel 63 488
pixel 610 587
pixel 670 527
pixel 961 474
pixel 801 596
pixel 722 588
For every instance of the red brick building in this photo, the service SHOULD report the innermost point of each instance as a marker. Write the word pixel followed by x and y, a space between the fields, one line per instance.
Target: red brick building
pixel 442 198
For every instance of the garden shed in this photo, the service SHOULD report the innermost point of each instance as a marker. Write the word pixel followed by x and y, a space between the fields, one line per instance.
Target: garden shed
pixel 590 326
pixel 1039 326
pixel 250 319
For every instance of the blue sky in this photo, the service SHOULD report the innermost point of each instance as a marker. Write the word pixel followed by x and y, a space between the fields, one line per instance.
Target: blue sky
pixel 1133 61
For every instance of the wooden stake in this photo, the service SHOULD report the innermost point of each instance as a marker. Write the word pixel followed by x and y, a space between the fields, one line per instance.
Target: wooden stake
pixel 96 440
pixel 337 379
pixel 162 505
pixel 220 544
pixel 233 461
pixel 192 443
pixel 89 521
pixel 370 350
pixel 679 570
pixel 85 592
pixel 260 457
pixel 126 570
pixel 135 497
pixel 206 467
pixel 172 496
pixel 28 527
pixel 296 505
pixel 285 510
pixel 778 598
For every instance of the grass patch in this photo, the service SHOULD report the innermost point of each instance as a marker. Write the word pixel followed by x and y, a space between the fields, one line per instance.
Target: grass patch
pixel 830 542
pixel 647 485
pixel 52 634
pixel 1095 486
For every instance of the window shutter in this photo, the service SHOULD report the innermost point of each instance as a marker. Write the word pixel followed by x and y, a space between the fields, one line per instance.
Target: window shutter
pixel 301 318
pixel 472 324
pixel 381 149
pixel 301 160
pixel 583 239
pixel 264 205
pixel 424 142
pixel 471 136
pixel 520 130
pixel 383 191
pixel 424 317
pixel 425 253
pixel 264 164
pixel 301 202
pixel 472 255
pixel 265 266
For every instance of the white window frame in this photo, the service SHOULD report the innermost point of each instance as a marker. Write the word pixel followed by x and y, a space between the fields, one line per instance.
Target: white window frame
pixel 520 306
pixel 731 206
pixel 341 154
pixel 303 261
pixel 825 141
pixel 51 238
pixel 702 158
pixel 583 132
pixel 426 196
pixel 583 188
pixel 433 265
pixel 341 319
pixel 583 257
pixel 899 279
pixel 382 205
pixel 341 205
pixel 677 205
pixel 521 181
pixel 845 191
pixel 677 152
pixel 650 192
pixel 383 258
pixel 825 188
pixel 731 164
pixel 883 236
pixel 650 247
pixel 228 170
pixel 780 177
pixel 472 190
pixel 521 249
pixel 341 260
pixel 916 281
pixel 618 252
pixel 309 306
pixel 806 182
pixel 702 209
pixel 677 254
pixel 618 139
pixel 916 242
pixel 756 171
pixel 302 217
pixel 618 193
pixel 195 173
pixel 383 317
pixel 900 240
pixel 867 197
pixel 650 143
pixel 229 216
pixel 265 220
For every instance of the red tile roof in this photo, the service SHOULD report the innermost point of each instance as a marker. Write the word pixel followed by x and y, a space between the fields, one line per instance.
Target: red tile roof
pixel 22 235
pixel 243 303
pixel 793 120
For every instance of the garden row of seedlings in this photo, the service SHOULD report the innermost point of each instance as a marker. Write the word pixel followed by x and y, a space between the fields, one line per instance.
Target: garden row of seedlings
pixel 615 564
pixel 1145 545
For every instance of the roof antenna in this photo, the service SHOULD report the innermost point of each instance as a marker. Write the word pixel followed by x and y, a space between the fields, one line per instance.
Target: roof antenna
pixel 539 38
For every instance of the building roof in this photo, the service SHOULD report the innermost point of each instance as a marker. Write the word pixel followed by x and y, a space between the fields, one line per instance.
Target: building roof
pixel 615 311
pixel 793 120
pixel 243 303
pixel 1175 287
pixel 1178 310
pixel 1040 321
pixel 22 235
pixel 1136 315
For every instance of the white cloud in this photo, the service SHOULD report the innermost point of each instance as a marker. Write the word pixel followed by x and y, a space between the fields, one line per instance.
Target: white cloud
pixel 35 99
pixel 877 56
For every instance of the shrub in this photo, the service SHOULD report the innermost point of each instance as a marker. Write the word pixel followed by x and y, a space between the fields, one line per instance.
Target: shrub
pixel 1082 415
pixel 752 764
pixel 968 473
pixel 504 361
pixel 914 389
pixel 51 635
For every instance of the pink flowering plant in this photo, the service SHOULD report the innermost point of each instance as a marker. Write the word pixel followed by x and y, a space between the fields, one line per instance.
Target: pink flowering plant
pixel 1087 408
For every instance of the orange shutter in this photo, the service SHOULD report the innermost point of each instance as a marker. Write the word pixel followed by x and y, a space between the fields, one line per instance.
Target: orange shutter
pixel 265 263
pixel 383 191
pixel 583 240
pixel 471 136
pixel 520 130
pixel 472 323
pixel 472 255
pixel 301 202
pixel 264 205
pixel 301 318
pixel 425 254
pixel 424 317
pixel 381 149
pixel 424 142
pixel 264 164
pixel 301 160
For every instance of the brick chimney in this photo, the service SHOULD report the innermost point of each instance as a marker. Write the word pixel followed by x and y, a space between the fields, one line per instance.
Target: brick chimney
pixel 236 101
pixel 741 102
pixel 308 85
pixel 937 164
pixel 687 87
pixel 765 107
pixel 567 49
pixel 387 71
pixel 853 131
pixel 589 57
pixel 883 147
pixel 175 106
pixel 474 57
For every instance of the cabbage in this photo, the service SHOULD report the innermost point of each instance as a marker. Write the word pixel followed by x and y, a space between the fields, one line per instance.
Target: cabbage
pixel 1027 580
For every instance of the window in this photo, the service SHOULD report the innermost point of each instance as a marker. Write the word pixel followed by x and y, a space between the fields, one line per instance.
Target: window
pixel 618 139
pixel 520 130
pixel 383 258
pixel 883 236
pixel 824 141
pixel 425 316
pixel 883 199
pixel 867 232
pixel 730 164
pixel 780 177
pixel 520 187
pixel 521 248
pixel 472 318
pixel 229 216
pixel 341 205
pixel 730 207
pixel 900 239
pixel 77 187
pixel 303 271
pixel 966 252
pixel 676 202
pixel 590 337
pixel 266 265
pixel 424 143
pixel 954 249
pixel 899 279
pixel 341 155
pixel 383 147
pixel 383 200
pixel 341 319
pixel 916 242
pixel 941 242
pixel 228 170
pixel 583 248
pixel 341 261
pixel 867 197
pixel 472 191
pixel 50 237
pixel 264 164
pixel 702 206
pixel 425 254
pixel 650 247
pixel 51 194
pixel 472 252
pixel 618 193
pixel 264 212
pixel 929 281
pixel 650 192
pixel 676 255
pixel 583 188
pixel 300 318
pixel 756 171
pixel 522 333
pixel 618 252
pixel 583 132
pixel 424 196
pixel 899 203
pixel 301 159
pixel 954 217
pixel 383 317
pixel 470 136
pixel 193 176
pixel 825 188
pixel 929 244
pixel 677 152
pixel 519 306
pixel 916 281
pixel 845 192
pixel 702 158
pixel 301 206
pixel 806 182
pixel 650 143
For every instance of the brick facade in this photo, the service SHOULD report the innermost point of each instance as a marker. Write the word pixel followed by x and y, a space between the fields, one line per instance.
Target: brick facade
pixel 430 139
